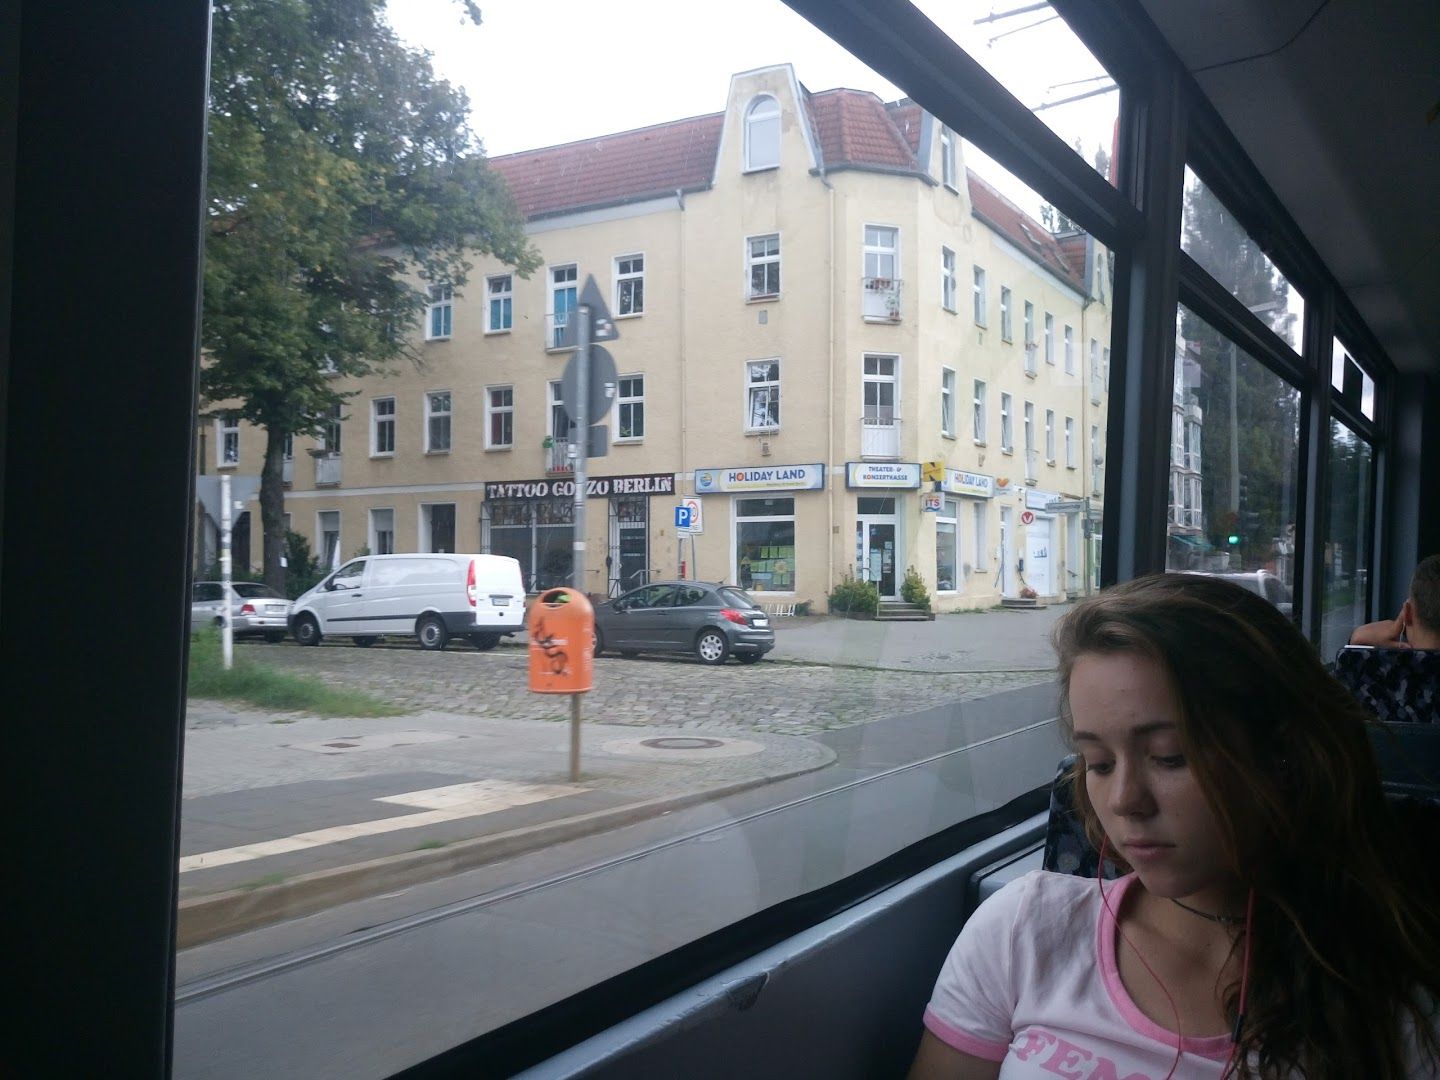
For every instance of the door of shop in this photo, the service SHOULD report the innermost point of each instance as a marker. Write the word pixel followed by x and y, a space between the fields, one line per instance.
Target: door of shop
pixel 1037 556
pixel 1007 554
pixel 876 545
pixel 629 560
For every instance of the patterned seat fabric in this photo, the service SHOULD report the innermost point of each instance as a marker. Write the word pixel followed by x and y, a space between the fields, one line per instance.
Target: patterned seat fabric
pixel 1067 849
pixel 1395 684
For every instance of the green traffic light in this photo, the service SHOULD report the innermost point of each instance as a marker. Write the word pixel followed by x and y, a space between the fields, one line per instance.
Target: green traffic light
pixel 1232 539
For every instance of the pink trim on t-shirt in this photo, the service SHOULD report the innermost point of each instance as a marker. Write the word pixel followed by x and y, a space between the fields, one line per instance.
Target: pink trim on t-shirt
pixel 1210 1046
pixel 966 1043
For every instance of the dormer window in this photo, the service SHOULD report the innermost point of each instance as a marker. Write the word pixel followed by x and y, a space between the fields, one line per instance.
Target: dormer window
pixel 762 134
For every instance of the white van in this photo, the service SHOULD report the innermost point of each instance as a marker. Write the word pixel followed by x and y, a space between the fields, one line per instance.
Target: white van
pixel 434 597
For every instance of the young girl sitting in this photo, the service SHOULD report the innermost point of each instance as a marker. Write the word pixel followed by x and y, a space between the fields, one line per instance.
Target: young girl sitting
pixel 1272 921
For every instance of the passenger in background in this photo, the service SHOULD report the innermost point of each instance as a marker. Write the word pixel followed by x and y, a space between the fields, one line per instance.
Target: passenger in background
pixel 1393 666
pixel 1272 920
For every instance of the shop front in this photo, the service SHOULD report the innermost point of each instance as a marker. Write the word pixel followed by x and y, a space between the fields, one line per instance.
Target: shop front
pixel 962 530
pixel 764 509
pixel 533 521
pixel 879 536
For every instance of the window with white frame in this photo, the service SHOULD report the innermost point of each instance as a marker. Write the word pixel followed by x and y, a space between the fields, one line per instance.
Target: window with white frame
pixel 1050 436
pixel 629 285
pixel 287 451
pixel 981 420
pixel 562 300
pixel 1029 325
pixel 1069 442
pixel 982 539
pixel 227 439
pixel 1029 426
pixel 1094 372
pixel 880 390
pixel 762 395
pixel 978 289
pixel 881 254
pixel 1006 330
pixel 499 417
pixel 327 539
pixel 947 279
pixel 330 433
pixel 1007 442
pixel 947 158
pixel 437 422
pixel 1049 339
pixel 439 316
pixel 765 544
pixel 762 134
pixel 557 420
pixel 499 311
pixel 382 427
pixel 947 401
pixel 630 403
pixel 947 547
pixel 1069 350
pixel 382 532
pixel 763 263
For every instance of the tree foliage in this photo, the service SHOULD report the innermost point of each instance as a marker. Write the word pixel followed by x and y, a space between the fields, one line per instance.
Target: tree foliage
pixel 342 179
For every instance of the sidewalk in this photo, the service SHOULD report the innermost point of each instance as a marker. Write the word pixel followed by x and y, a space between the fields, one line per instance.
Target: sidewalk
pixel 285 816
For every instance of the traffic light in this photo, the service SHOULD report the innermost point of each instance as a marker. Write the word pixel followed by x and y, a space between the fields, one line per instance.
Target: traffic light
pixel 1233 539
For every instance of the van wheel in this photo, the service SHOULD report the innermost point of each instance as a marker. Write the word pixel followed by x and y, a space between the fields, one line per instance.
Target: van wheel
pixel 432 633
pixel 365 640
pixel 711 647
pixel 484 642
pixel 307 630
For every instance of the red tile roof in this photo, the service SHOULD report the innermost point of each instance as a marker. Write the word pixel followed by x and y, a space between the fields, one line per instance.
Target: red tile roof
pixel 856 129
pixel 1023 231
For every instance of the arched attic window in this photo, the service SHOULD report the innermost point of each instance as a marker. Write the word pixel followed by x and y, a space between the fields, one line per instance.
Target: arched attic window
pixel 762 134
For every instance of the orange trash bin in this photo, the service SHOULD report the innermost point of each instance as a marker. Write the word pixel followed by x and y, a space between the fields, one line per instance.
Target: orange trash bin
pixel 561 627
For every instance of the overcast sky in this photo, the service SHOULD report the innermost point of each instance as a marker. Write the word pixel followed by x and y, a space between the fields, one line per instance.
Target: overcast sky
pixel 541 72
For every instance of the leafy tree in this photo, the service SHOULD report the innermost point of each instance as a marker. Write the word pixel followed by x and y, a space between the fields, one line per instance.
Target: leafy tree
pixel 1257 499
pixel 341 169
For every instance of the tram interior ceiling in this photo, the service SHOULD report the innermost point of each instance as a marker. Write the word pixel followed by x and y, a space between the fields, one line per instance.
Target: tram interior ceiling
pixel 1315 121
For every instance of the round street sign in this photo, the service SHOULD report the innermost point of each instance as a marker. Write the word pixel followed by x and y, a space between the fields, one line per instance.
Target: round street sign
pixel 604 381
pixel 1027 518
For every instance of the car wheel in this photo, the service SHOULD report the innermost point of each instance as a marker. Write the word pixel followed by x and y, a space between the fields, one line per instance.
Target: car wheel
pixel 484 642
pixel 432 633
pixel 712 647
pixel 274 637
pixel 365 640
pixel 748 657
pixel 598 643
pixel 307 630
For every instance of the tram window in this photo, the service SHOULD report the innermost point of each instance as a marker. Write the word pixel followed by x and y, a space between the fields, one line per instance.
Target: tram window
pixel 1348 528
pixel 1213 238
pixel 1233 464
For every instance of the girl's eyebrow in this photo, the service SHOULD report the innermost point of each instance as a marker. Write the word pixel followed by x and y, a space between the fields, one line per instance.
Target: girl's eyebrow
pixel 1139 731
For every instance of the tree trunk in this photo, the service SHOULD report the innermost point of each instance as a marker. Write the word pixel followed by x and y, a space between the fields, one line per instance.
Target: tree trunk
pixel 272 508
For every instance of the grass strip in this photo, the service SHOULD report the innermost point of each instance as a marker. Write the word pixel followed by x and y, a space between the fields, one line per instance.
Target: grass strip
pixel 256 684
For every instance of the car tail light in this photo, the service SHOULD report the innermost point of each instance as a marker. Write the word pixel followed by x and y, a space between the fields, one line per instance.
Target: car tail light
pixel 247 609
pixel 471 593
pixel 734 616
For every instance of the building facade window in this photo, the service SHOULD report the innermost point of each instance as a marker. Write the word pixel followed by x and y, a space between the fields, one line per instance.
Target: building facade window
pixel 440 315
pixel 437 422
pixel 1029 325
pixel 881 255
pixel 437 527
pixel 382 532
pixel 1050 436
pixel 1069 350
pixel 629 285
pixel 765 544
pixel 880 392
pixel 1094 372
pixel 978 289
pixel 382 427
pixel 557 420
pixel 562 300
pixel 947 157
pixel 1049 339
pixel 499 310
pixel 947 402
pixel 981 421
pixel 499 417
pixel 762 395
pixel 1006 436
pixel 1069 442
pixel 330 433
pixel 763 263
pixel 1007 331
pixel 1029 426
pixel 539 533
pixel 630 402
pixel 762 134
pixel 947 279
pixel 947 548
pixel 327 538
pixel 227 439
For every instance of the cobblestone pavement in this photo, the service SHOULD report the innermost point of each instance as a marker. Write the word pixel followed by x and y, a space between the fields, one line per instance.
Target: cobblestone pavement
pixel 777 697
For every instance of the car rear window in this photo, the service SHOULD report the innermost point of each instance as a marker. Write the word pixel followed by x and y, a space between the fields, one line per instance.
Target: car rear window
pixel 250 589
pixel 737 598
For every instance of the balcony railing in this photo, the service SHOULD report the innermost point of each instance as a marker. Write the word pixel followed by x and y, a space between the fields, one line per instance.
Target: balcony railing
pixel 557 457
pixel 1097 479
pixel 1031 368
pixel 880 299
pixel 287 471
pixel 1031 465
pixel 880 437
pixel 327 470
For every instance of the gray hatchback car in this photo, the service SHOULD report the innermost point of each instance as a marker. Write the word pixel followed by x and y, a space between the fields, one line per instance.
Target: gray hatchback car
pixel 712 621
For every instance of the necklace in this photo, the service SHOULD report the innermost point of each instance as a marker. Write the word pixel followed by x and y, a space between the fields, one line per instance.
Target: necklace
pixel 1223 920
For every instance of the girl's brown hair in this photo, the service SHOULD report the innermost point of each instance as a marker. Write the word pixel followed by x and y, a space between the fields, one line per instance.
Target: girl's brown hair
pixel 1346 933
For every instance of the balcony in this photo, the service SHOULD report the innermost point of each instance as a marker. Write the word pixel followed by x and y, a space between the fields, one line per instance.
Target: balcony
pixel 880 299
pixel 1032 464
pixel 557 457
pixel 287 471
pixel 327 469
pixel 1031 368
pixel 880 437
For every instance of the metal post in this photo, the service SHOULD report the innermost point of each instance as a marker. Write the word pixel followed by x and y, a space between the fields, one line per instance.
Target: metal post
pixel 575 700
pixel 227 628
pixel 581 446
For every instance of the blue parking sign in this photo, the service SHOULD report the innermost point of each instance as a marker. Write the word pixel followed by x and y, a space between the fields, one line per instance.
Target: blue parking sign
pixel 682 517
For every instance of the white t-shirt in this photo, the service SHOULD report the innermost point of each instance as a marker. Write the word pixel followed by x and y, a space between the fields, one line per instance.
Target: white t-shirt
pixel 1032 982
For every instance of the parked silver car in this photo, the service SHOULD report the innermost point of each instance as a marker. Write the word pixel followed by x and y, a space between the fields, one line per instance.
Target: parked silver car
pixel 256 609
pixel 713 621
pixel 1261 583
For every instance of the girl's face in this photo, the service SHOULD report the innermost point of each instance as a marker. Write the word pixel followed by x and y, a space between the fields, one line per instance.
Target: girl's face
pixel 1127 726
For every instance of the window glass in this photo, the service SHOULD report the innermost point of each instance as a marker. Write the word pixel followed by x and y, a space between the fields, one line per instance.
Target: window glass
pixel 1349 525
pixel 1213 238
pixel 1234 462
pixel 765 544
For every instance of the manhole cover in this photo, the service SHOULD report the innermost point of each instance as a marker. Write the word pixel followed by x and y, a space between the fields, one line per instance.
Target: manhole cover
pixel 681 744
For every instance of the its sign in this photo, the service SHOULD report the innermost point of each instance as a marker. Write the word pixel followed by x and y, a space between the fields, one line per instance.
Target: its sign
pixel 762 478
pixel 931 503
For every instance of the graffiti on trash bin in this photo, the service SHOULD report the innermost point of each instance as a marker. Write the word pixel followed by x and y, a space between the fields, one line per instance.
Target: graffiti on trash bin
pixel 553 648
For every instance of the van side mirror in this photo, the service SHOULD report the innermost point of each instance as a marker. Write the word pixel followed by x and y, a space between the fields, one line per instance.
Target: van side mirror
pixel 329 585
